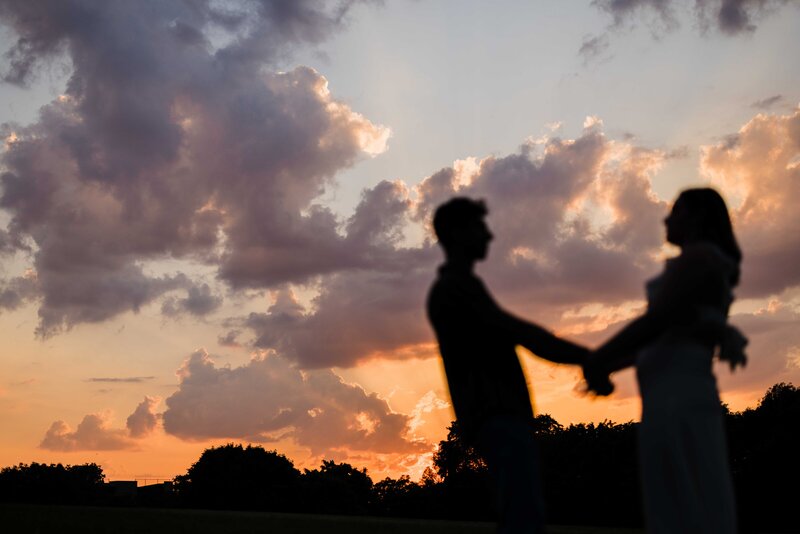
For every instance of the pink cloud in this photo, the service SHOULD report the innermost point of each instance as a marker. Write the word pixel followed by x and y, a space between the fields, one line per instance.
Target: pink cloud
pixel 92 434
pixel 760 166
pixel 142 422
pixel 268 399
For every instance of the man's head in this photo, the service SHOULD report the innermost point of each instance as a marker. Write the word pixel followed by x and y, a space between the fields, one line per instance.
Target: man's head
pixel 460 227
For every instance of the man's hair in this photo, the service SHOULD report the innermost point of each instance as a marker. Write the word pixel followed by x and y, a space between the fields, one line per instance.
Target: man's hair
pixel 456 213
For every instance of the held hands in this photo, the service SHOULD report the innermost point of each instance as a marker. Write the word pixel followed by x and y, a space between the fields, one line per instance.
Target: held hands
pixel 596 379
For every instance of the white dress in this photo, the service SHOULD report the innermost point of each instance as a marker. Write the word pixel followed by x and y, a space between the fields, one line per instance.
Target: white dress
pixel 686 479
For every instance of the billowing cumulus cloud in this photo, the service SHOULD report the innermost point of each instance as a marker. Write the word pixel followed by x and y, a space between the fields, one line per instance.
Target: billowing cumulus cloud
pixel 575 222
pixel 144 418
pixel 95 433
pixel 92 434
pixel 760 166
pixel 268 399
pixel 168 145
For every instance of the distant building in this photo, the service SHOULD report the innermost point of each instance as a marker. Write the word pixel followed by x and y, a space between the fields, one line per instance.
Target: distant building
pixel 122 491
pixel 129 493
pixel 155 494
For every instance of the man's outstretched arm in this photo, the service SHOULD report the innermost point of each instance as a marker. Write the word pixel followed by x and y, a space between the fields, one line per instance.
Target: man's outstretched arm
pixel 544 344
pixel 533 337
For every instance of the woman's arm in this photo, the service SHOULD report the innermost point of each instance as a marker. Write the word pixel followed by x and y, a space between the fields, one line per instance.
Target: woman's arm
pixel 682 283
pixel 620 351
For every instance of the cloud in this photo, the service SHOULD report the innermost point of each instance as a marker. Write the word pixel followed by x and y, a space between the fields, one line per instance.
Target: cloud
pixel 737 16
pixel 125 379
pixel 92 434
pixel 593 46
pixel 767 102
pixel 729 17
pixel 230 339
pixel 576 222
pixel 144 419
pixel 18 291
pixel 659 14
pixel 774 337
pixel 198 301
pixel 168 144
pixel 269 399
pixel 23 383
pixel 759 168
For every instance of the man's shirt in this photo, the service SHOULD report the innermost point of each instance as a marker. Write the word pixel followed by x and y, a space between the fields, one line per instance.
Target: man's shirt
pixel 477 341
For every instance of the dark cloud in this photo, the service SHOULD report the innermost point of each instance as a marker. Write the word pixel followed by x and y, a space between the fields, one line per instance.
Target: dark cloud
pixel 164 146
pixel 737 16
pixel 231 339
pixel 9 243
pixel 681 152
pixel 593 46
pixel 199 301
pixel 144 419
pixel 123 379
pixel 730 17
pixel 767 102
pixel 269 399
pixel 18 291
pixel 659 13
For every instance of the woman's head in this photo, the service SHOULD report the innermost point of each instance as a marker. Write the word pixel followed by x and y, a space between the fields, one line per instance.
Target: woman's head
pixel 701 215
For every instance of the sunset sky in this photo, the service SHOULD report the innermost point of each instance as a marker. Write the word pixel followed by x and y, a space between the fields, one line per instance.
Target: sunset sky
pixel 214 215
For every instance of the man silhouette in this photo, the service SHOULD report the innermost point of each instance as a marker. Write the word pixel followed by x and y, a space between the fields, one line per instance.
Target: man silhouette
pixel 477 341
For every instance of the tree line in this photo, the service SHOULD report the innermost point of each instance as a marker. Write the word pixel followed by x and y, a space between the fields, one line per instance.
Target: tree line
pixel 590 476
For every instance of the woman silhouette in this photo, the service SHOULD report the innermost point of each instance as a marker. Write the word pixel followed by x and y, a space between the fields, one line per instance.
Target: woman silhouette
pixel 686 481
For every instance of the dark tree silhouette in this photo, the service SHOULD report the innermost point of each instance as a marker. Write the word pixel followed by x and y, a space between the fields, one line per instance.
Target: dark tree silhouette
pixel 455 458
pixel 336 489
pixel 400 497
pixel 590 473
pixel 765 458
pixel 51 484
pixel 240 478
pixel 464 489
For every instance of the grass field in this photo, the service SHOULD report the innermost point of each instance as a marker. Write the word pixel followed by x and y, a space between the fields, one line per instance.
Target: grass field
pixel 30 519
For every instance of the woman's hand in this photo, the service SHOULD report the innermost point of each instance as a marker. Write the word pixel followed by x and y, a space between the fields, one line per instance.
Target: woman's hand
pixel 597 380
pixel 731 347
